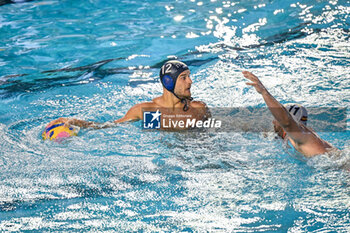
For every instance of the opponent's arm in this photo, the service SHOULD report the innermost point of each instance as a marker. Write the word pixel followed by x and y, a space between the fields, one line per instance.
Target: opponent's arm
pixel 293 129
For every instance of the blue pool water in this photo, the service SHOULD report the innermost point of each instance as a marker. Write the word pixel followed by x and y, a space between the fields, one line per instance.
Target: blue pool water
pixel 95 59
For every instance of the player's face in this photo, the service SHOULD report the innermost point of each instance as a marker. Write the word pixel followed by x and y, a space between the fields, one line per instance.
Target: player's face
pixel 183 84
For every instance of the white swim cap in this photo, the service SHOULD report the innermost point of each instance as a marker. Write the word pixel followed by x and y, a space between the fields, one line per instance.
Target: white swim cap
pixel 298 112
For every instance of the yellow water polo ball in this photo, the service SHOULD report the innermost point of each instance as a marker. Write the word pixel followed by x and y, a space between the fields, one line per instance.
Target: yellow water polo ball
pixel 58 132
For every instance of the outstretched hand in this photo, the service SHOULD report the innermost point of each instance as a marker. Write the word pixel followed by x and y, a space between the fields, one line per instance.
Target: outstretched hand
pixel 255 82
pixel 61 120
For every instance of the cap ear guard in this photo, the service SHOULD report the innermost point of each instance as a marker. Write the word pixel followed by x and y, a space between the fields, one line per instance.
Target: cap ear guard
pixel 168 82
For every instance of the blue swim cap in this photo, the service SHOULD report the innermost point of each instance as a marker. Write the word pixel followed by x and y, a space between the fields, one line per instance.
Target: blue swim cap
pixel 169 72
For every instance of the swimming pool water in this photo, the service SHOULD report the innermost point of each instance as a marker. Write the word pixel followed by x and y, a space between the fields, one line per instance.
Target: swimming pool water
pixel 95 59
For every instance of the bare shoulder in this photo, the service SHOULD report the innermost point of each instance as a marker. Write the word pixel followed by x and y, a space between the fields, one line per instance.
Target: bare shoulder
pixel 310 144
pixel 198 104
pixel 146 105
pixel 201 109
pixel 140 107
pixel 134 113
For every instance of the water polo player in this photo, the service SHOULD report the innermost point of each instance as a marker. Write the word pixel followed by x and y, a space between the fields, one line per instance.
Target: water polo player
pixel 176 99
pixel 290 122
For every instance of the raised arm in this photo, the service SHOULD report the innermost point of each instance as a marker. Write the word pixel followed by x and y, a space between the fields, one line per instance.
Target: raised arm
pixel 294 130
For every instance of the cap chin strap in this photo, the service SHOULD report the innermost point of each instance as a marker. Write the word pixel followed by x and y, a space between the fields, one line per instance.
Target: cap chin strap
pixel 183 100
